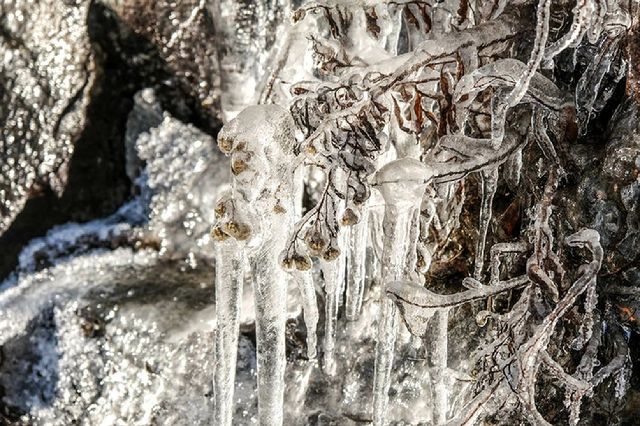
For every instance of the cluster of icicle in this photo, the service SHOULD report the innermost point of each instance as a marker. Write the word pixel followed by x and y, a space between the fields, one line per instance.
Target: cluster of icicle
pixel 412 127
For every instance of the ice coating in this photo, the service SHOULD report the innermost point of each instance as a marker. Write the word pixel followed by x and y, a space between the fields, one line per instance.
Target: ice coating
pixel 333 274
pixel 246 31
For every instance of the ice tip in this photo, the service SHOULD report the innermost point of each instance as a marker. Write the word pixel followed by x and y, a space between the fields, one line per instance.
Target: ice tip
pixel 584 237
pixel 258 124
pixel 406 170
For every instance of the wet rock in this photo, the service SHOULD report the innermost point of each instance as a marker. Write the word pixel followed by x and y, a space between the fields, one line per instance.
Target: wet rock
pixel 45 82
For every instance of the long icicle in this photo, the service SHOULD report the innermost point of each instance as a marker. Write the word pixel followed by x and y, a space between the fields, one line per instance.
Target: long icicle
pixel 402 184
pixel 270 287
pixel 439 348
pixel 307 289
pixel 356 266
pixel 334 276
pixel 489 185
pixel 229 280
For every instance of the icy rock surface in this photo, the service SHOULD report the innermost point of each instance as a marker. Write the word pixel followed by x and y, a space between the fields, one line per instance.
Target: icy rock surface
pixel 178 174
pixel 75 338
pixel 44 86
pixel 183 175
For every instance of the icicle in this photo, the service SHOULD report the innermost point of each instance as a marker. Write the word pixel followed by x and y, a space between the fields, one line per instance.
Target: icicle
pixel 270 303
pixel 402 183
pixel 513 169
pixel 334 274
pixel 588 87
pixel 489 185
pixel 307 289
pixel 356 264
pixel 245 32
pixel 439 347
pixel 229 279
pixel 260 141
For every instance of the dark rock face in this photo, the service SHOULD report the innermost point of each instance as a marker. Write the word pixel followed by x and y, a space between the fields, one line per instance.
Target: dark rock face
pixel 46 73
pixel 65 99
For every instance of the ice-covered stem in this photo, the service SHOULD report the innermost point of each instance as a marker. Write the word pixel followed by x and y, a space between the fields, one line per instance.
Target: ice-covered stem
pixel 356 265
pixel 229 280
pixel 410 296
pixel 402 184
pixel 582 15
pixel 497 251
pixel 522 86
pixel 529 353
pixel 543 243
pixel 260 141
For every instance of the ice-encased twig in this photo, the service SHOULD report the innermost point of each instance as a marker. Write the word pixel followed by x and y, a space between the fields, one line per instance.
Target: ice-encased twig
pixel 501 103
pixel 529 353
pixel 356 266
pixel 402 184
pixel 537 54
pixel 582 15
pixel 410 296
pixel 230 267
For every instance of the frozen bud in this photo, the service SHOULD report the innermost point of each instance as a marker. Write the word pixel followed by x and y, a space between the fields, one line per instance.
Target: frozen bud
pixel 331 253
pixel 302 263
pixel 298 15
pixel 297 261
pixel 297 90
pixel 361 194
pixel 286 262
pixel 220 209
pixel 237 230
pixel 218 234
pixel 225 144
pixel 239 162
pixel 315 240
pixel 482 318
pixel 279 208
pixel 310 150
pixel 350 217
